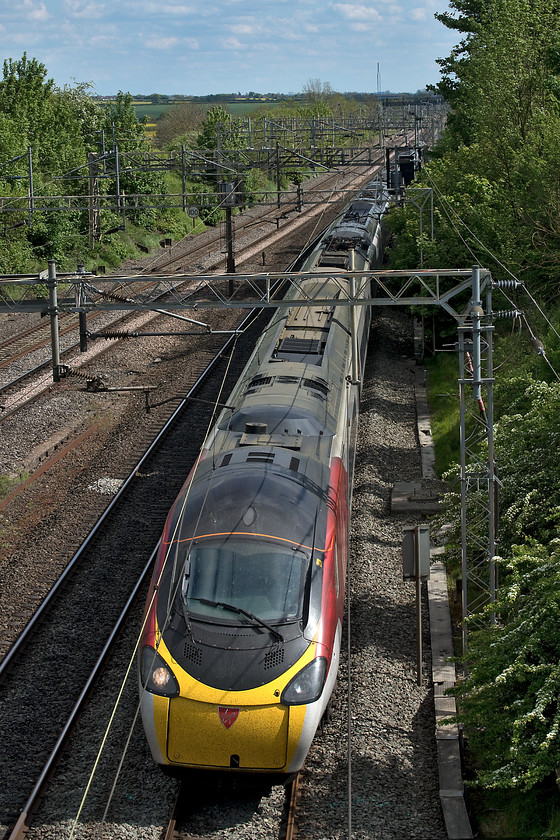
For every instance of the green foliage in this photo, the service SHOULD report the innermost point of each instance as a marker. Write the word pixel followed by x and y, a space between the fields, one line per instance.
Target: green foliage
pixel 16 255
pixel 255 182
pixel 62 127
pixel 505 703
pixel 50 232
pixel 496 172
pixel 510 698
pixel 121 122
pixel 513 813
pixel 524 442
pixel 524 439
pixel 25 95
pixel 471 220
pixel 444 409
pixel 179 126
pixel 85 112
pixel 219 129
pixel 496 184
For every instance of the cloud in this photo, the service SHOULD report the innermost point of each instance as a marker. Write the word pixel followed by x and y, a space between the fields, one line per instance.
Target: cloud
pixel 35 11
pixel 106 41
pixel 171 9
pixel 244 29
pixel 357 11
pixel 233 44
pixel 418 14
pixel 85 9
pixel 26 38
pixel 161 43
pixel 176 10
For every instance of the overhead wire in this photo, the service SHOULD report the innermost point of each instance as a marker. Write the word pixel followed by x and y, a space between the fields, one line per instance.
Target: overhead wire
pixel 448 209
pixel 516 326
pixel 147 612
pixel 138 640
pixel 221 204
pixel 139 637
pixel 539 348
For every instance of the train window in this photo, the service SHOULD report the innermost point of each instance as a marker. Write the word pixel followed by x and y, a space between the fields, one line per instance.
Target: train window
pixel 262 578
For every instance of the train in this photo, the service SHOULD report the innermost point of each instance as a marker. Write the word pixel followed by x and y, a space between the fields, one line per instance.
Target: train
pixel 240 644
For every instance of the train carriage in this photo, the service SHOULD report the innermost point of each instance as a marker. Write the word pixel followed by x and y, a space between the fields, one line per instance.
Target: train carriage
pixel 241 641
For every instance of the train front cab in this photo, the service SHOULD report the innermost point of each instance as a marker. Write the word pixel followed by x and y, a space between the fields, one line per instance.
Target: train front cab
pixel 251 731
pixel 265 728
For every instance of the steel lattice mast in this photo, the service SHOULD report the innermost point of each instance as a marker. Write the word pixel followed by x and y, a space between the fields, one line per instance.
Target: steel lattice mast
pixel 478 469
pixel 442 288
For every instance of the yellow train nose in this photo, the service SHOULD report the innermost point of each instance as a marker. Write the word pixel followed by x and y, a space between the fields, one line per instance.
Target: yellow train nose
pixel 248 737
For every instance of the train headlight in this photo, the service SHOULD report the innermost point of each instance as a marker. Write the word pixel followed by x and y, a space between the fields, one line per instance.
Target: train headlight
pixel 156 675
pixel 306 687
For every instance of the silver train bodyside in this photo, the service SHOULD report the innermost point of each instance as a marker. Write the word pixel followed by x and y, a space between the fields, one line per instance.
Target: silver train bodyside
pixel 241 642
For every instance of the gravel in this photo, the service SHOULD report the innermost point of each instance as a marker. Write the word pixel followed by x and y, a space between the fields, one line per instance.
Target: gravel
pixel 393 750
pixel 394 771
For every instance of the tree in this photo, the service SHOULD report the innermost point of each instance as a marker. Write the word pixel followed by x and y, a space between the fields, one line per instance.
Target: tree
pixel 25 92
pixel 121 121
pixel 86 112
pixel 524 440
pixel 503 83
pixel 55 123
pixel 498 186
pixel 468 22
pixel 219 128
pixel 509 701
pixel 182 120
pixel 314 89
pixel 26 100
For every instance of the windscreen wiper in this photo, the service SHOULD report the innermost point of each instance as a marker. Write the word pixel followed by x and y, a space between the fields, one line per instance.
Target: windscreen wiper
pixel 241 611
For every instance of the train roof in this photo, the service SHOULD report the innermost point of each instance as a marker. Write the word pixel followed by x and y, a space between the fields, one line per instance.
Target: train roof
pixel 254 490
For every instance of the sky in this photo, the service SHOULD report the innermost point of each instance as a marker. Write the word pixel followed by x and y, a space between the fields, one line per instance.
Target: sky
pixel 198 47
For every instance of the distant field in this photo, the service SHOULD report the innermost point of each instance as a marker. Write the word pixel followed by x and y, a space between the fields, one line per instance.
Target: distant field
pixel 146 109
pixel 238 109
pixel 153 112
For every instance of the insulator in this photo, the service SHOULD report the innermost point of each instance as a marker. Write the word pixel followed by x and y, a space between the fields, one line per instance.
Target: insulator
pixel 77 373
pixel 508 313
pixel 538 346
pixel 114 296
pixel 113 334
pixel 507 284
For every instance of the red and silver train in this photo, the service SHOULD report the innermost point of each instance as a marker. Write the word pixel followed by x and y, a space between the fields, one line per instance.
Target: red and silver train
pixel 241 641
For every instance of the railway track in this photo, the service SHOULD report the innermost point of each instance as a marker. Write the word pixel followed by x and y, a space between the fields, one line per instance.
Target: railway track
pixel 66 608
pixel 195 797
pixel 81 608
pixel 45 459
pixel 393 790
pixel 189 255
pixel 126 811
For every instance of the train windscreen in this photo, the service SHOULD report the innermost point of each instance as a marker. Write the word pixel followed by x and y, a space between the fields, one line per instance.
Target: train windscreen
pixel 245 576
